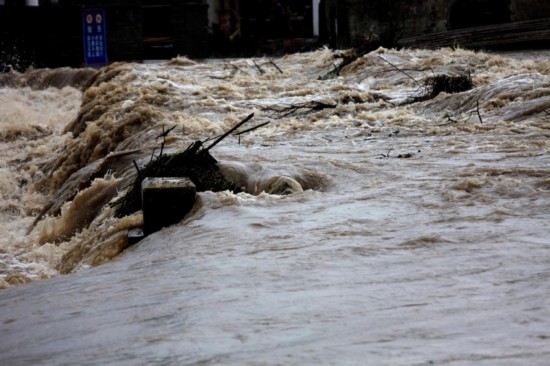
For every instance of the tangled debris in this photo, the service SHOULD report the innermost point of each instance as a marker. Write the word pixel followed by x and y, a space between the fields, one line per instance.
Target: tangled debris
pixel 282 111
pixel 436 84
pixel 195 163
pixel 362 47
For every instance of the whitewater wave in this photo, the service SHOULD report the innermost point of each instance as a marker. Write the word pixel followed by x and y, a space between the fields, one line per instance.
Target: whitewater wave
pixel 62 176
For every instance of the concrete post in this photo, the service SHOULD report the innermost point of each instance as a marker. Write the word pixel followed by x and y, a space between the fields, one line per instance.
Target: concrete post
pixel 165 201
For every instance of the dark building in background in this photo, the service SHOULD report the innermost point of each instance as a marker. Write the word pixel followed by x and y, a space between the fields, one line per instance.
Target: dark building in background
pixel 518 22
pixel 252 27
pixel 174 28
pixel 50 32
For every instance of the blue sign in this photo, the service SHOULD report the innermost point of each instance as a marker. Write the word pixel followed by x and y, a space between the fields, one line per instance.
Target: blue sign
pixel 95 41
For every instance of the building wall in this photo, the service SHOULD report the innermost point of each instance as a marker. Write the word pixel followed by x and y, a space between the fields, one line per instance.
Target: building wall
pixel 190 28
pixel 347 21
pixel 41 36
pixel 251 27
pixel 51 34
pixel 528 10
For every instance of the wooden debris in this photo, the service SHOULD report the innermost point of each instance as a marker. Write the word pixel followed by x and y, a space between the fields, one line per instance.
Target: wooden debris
pixel 363 47
pixel 434 85
pixel 251 129
pixel 275 65
pixel 195 163
pixel 248 118
pixel 398 69
pixel 258 67
pixel 477 110
pixel 306 107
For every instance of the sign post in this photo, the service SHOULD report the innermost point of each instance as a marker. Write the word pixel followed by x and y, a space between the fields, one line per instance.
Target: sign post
pixel 95 40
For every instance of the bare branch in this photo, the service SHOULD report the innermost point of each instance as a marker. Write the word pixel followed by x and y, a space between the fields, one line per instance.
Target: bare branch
pixel 477 110
pixel 248 118
pixel 252 128
pixel 274 64
pixel 398 69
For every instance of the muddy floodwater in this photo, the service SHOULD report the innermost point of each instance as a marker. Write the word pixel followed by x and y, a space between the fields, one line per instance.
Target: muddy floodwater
pixel 369 230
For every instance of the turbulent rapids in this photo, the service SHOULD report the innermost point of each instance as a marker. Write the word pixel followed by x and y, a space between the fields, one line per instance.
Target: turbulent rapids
pixel 355 199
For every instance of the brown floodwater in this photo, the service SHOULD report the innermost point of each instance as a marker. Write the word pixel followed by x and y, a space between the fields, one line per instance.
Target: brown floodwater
pixel 413 234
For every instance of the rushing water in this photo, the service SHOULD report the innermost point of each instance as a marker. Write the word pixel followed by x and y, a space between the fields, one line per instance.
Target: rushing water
pixel 419 233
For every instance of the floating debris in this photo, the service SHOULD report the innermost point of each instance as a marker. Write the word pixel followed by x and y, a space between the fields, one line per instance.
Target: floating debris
pixel 195 163
pixel 434 85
